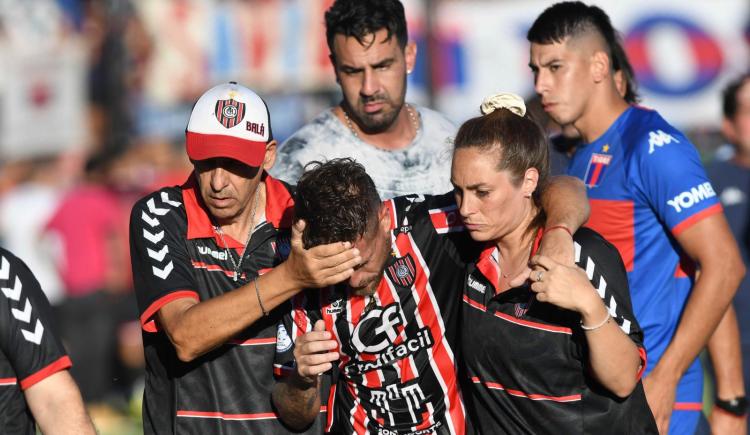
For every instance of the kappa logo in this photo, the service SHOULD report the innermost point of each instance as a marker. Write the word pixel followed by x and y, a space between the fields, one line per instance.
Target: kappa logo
pixel 691 197
pixel 229 112
pixel 283 341
pixel 476 285
pixel 658 139
pixel 403 271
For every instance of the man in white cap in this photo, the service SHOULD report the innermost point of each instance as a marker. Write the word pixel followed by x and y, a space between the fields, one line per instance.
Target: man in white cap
pixel 214 261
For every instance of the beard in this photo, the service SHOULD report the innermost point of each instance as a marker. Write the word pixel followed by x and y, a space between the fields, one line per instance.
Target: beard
pixel 380 121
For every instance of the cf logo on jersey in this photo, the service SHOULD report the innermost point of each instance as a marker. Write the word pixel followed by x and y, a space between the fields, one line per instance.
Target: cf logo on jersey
pixel 367 338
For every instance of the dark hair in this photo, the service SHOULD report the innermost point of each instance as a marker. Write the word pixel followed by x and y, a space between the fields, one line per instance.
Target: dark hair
pixel 359 18
pixel 516 142
pixel 337 200
pixel 729 95
pixel 573 19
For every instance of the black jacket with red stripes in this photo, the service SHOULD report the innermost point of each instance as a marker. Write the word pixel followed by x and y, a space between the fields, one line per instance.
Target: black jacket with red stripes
pixel 176 253
pixel 526 362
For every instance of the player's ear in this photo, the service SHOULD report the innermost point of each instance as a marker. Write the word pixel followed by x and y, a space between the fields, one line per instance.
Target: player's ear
pixel 600 69
pixel 270 157
pixel 384 217
pixel 410 56
pixel 332 58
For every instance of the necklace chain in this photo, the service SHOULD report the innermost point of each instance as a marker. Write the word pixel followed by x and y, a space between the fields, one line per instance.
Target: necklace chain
pixel 409 109
pixel 220 232
pixel 506 275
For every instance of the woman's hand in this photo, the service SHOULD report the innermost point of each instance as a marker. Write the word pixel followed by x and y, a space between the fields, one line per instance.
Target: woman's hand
pixel 566 287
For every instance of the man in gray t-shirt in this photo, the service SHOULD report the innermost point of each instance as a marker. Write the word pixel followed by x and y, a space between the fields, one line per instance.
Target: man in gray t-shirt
pixel 405 148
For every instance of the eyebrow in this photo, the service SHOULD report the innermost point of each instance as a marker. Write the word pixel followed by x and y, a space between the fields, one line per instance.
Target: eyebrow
pixel 545 64
pixel 384 62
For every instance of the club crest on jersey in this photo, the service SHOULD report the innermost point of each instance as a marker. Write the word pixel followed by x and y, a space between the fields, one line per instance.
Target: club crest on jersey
pixel 229 112
pixel 403 271
pixel 520 309
pixel 595 171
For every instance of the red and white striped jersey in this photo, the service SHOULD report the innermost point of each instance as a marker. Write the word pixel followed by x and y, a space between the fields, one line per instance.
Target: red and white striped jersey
pixel 397 373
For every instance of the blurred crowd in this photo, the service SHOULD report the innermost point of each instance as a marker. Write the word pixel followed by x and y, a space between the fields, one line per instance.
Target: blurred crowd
pixel 64 208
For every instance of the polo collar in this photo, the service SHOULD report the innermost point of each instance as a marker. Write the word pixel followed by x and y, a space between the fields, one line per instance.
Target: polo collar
pixel 279 210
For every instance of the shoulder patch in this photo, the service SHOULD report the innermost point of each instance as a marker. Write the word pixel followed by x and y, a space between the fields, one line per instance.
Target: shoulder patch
pixel 283 341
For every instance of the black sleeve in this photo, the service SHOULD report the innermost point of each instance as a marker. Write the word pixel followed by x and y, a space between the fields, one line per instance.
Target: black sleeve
pixel 303 310
pixel 26 335
pixel 606 271
pixel 162 270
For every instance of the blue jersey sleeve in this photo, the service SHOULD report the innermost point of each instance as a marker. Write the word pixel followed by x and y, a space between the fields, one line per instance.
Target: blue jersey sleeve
pixel 672 178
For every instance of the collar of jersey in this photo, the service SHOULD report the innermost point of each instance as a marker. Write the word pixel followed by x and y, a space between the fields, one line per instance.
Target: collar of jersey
pixel 279 209
pixel 490 268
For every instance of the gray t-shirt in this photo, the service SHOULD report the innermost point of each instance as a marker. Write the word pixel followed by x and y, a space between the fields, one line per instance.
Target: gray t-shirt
pixel 422 167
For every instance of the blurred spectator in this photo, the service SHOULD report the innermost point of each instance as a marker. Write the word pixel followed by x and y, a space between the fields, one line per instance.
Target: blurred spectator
pixel 90 224
pixel 731 181
pixel 25 209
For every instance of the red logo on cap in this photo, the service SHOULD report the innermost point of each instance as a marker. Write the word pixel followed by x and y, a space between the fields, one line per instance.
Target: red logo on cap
pixel 229 112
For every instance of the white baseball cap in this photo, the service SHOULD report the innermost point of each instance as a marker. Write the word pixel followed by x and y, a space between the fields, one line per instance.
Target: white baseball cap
pixel 229 120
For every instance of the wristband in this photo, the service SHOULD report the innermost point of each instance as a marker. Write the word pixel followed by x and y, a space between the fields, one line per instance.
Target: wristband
pixel 560 227
pixel 260 302
pixel 736 406
pixel 592 328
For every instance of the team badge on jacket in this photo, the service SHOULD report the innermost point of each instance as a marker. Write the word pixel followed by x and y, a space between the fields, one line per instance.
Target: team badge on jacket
pixel 402 271
pixel 595 171
pixel 229 112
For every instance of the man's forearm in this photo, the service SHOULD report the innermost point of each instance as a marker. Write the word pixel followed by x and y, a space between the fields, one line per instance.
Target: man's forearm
pixel 705 308
pixel 196 328
pixel 565 202
pixel 297 402
pixel 57 406
pixel 726 357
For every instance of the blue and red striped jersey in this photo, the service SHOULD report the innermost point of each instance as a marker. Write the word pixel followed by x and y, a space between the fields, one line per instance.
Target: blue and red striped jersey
pixel 646 185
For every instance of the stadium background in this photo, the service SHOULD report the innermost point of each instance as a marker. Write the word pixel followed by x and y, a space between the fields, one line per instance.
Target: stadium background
pixel 115 80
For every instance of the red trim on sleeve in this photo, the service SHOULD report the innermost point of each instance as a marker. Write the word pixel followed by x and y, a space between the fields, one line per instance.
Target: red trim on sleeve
pixel 147 323
pixel 688 406
pixel 4 382
pixel 642 354
pixel 61 364
pixel 687 223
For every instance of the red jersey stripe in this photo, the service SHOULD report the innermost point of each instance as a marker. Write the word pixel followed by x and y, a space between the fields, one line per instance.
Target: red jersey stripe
pixel 521 322
pixel 688 406
pixel 428 314
pixel 531 396
pixel 52 368
pixel 147 323
pixel 687 223
pixel 5 382
pixel 254 341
